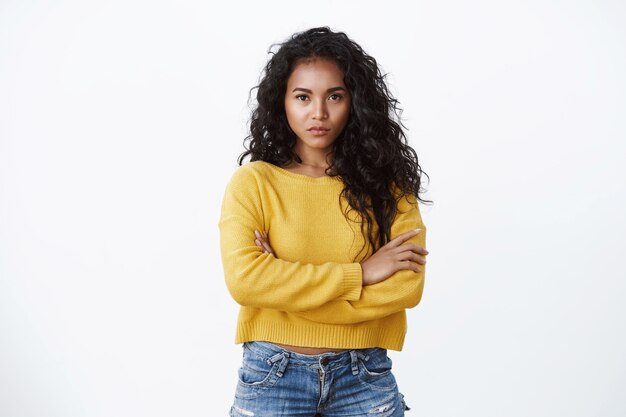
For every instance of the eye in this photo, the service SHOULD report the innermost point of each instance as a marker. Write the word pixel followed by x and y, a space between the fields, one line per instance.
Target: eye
pixel 301 95
pixel 338 96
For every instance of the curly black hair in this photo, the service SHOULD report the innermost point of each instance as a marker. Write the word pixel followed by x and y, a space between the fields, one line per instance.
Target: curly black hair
pixel 370 155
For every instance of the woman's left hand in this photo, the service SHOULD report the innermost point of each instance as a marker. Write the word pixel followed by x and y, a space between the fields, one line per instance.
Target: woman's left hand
pixel 262 240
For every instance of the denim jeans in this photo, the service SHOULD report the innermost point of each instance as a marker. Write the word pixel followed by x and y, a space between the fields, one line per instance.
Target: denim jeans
pixel 275 382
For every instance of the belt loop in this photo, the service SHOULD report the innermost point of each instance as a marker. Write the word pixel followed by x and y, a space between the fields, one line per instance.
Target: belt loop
pixel 354 362
pixel 275 358
pixel 283 365
pixel 283 357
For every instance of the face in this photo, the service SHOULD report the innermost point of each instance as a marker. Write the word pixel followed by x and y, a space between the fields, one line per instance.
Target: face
pixel 316 97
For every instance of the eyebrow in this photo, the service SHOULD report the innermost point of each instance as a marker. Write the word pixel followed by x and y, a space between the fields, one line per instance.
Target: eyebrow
pixel 330 90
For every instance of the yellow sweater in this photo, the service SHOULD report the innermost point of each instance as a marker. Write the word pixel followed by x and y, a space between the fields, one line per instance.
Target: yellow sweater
pixel 310 292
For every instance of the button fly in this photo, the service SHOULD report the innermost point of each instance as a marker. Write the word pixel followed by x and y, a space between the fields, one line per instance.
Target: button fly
pixel 324 361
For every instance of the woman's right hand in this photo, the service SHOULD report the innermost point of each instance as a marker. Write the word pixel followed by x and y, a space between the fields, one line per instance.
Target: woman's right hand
pixel 394 256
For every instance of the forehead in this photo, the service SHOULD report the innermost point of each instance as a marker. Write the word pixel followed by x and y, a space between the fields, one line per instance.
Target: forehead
pixel 320 72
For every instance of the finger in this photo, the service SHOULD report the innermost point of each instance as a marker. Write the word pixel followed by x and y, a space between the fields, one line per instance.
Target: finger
pixel 409 265
pixel 268 247
pixel 257 234
pixel 412 247
pixel 408 255
pixel 258 243
pixel 265 241
pixel 398 240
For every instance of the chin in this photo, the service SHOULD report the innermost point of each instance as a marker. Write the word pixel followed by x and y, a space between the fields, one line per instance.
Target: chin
pixel 318 144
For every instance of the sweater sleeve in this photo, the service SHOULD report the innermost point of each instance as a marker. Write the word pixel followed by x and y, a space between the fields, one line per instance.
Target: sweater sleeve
pixel 400 291
pixel 258 279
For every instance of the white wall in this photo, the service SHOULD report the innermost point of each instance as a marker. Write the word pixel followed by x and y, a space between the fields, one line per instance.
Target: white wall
pixel 120 124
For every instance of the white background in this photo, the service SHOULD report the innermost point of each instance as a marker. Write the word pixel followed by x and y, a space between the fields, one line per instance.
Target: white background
pixel 121 122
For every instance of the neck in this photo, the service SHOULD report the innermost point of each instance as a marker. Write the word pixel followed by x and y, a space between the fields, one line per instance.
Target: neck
pixel 314 158
pixel 313 165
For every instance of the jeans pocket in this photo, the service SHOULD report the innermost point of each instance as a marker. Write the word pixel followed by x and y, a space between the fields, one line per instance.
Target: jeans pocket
pixel 255 371
pixel 255 374
pixel 377 374
pixel 255 377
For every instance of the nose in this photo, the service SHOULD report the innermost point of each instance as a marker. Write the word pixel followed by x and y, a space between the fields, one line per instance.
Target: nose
pixel 319 110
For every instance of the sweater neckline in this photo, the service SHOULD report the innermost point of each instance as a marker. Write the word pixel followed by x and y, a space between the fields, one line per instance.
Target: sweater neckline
pixel 326 179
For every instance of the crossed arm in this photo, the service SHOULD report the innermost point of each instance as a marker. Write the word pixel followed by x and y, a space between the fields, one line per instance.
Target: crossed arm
pixel 400 291
pixel 330 292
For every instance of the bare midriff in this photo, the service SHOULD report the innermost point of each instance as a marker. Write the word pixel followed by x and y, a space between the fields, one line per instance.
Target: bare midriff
pixel 308 350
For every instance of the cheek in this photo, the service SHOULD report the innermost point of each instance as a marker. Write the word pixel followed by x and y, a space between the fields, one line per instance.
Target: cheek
pixel 293 113
pixel 344 115
pixel 290 116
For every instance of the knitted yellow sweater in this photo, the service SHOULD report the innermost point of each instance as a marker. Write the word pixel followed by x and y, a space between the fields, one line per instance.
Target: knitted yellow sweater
pixel 310 292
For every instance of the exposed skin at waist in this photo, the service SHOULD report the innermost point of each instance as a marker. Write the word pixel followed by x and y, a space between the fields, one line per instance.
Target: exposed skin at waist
pixel 308 350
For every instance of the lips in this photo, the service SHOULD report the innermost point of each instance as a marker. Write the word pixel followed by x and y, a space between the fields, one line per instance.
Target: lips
pixel 318 129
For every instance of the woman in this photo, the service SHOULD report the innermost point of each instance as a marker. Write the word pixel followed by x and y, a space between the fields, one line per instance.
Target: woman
pixel 321 237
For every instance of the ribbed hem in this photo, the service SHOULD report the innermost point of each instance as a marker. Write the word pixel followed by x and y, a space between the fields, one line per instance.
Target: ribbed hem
pixel 330 336
pixel 352 281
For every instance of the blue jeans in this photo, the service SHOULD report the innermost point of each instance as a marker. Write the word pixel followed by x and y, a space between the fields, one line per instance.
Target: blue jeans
pixel 275 382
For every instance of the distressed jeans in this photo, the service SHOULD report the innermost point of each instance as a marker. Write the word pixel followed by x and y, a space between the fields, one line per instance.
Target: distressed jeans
pixel 275 382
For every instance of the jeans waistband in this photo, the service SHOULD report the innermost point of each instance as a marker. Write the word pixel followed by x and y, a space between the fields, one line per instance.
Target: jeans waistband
pixel 267 350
